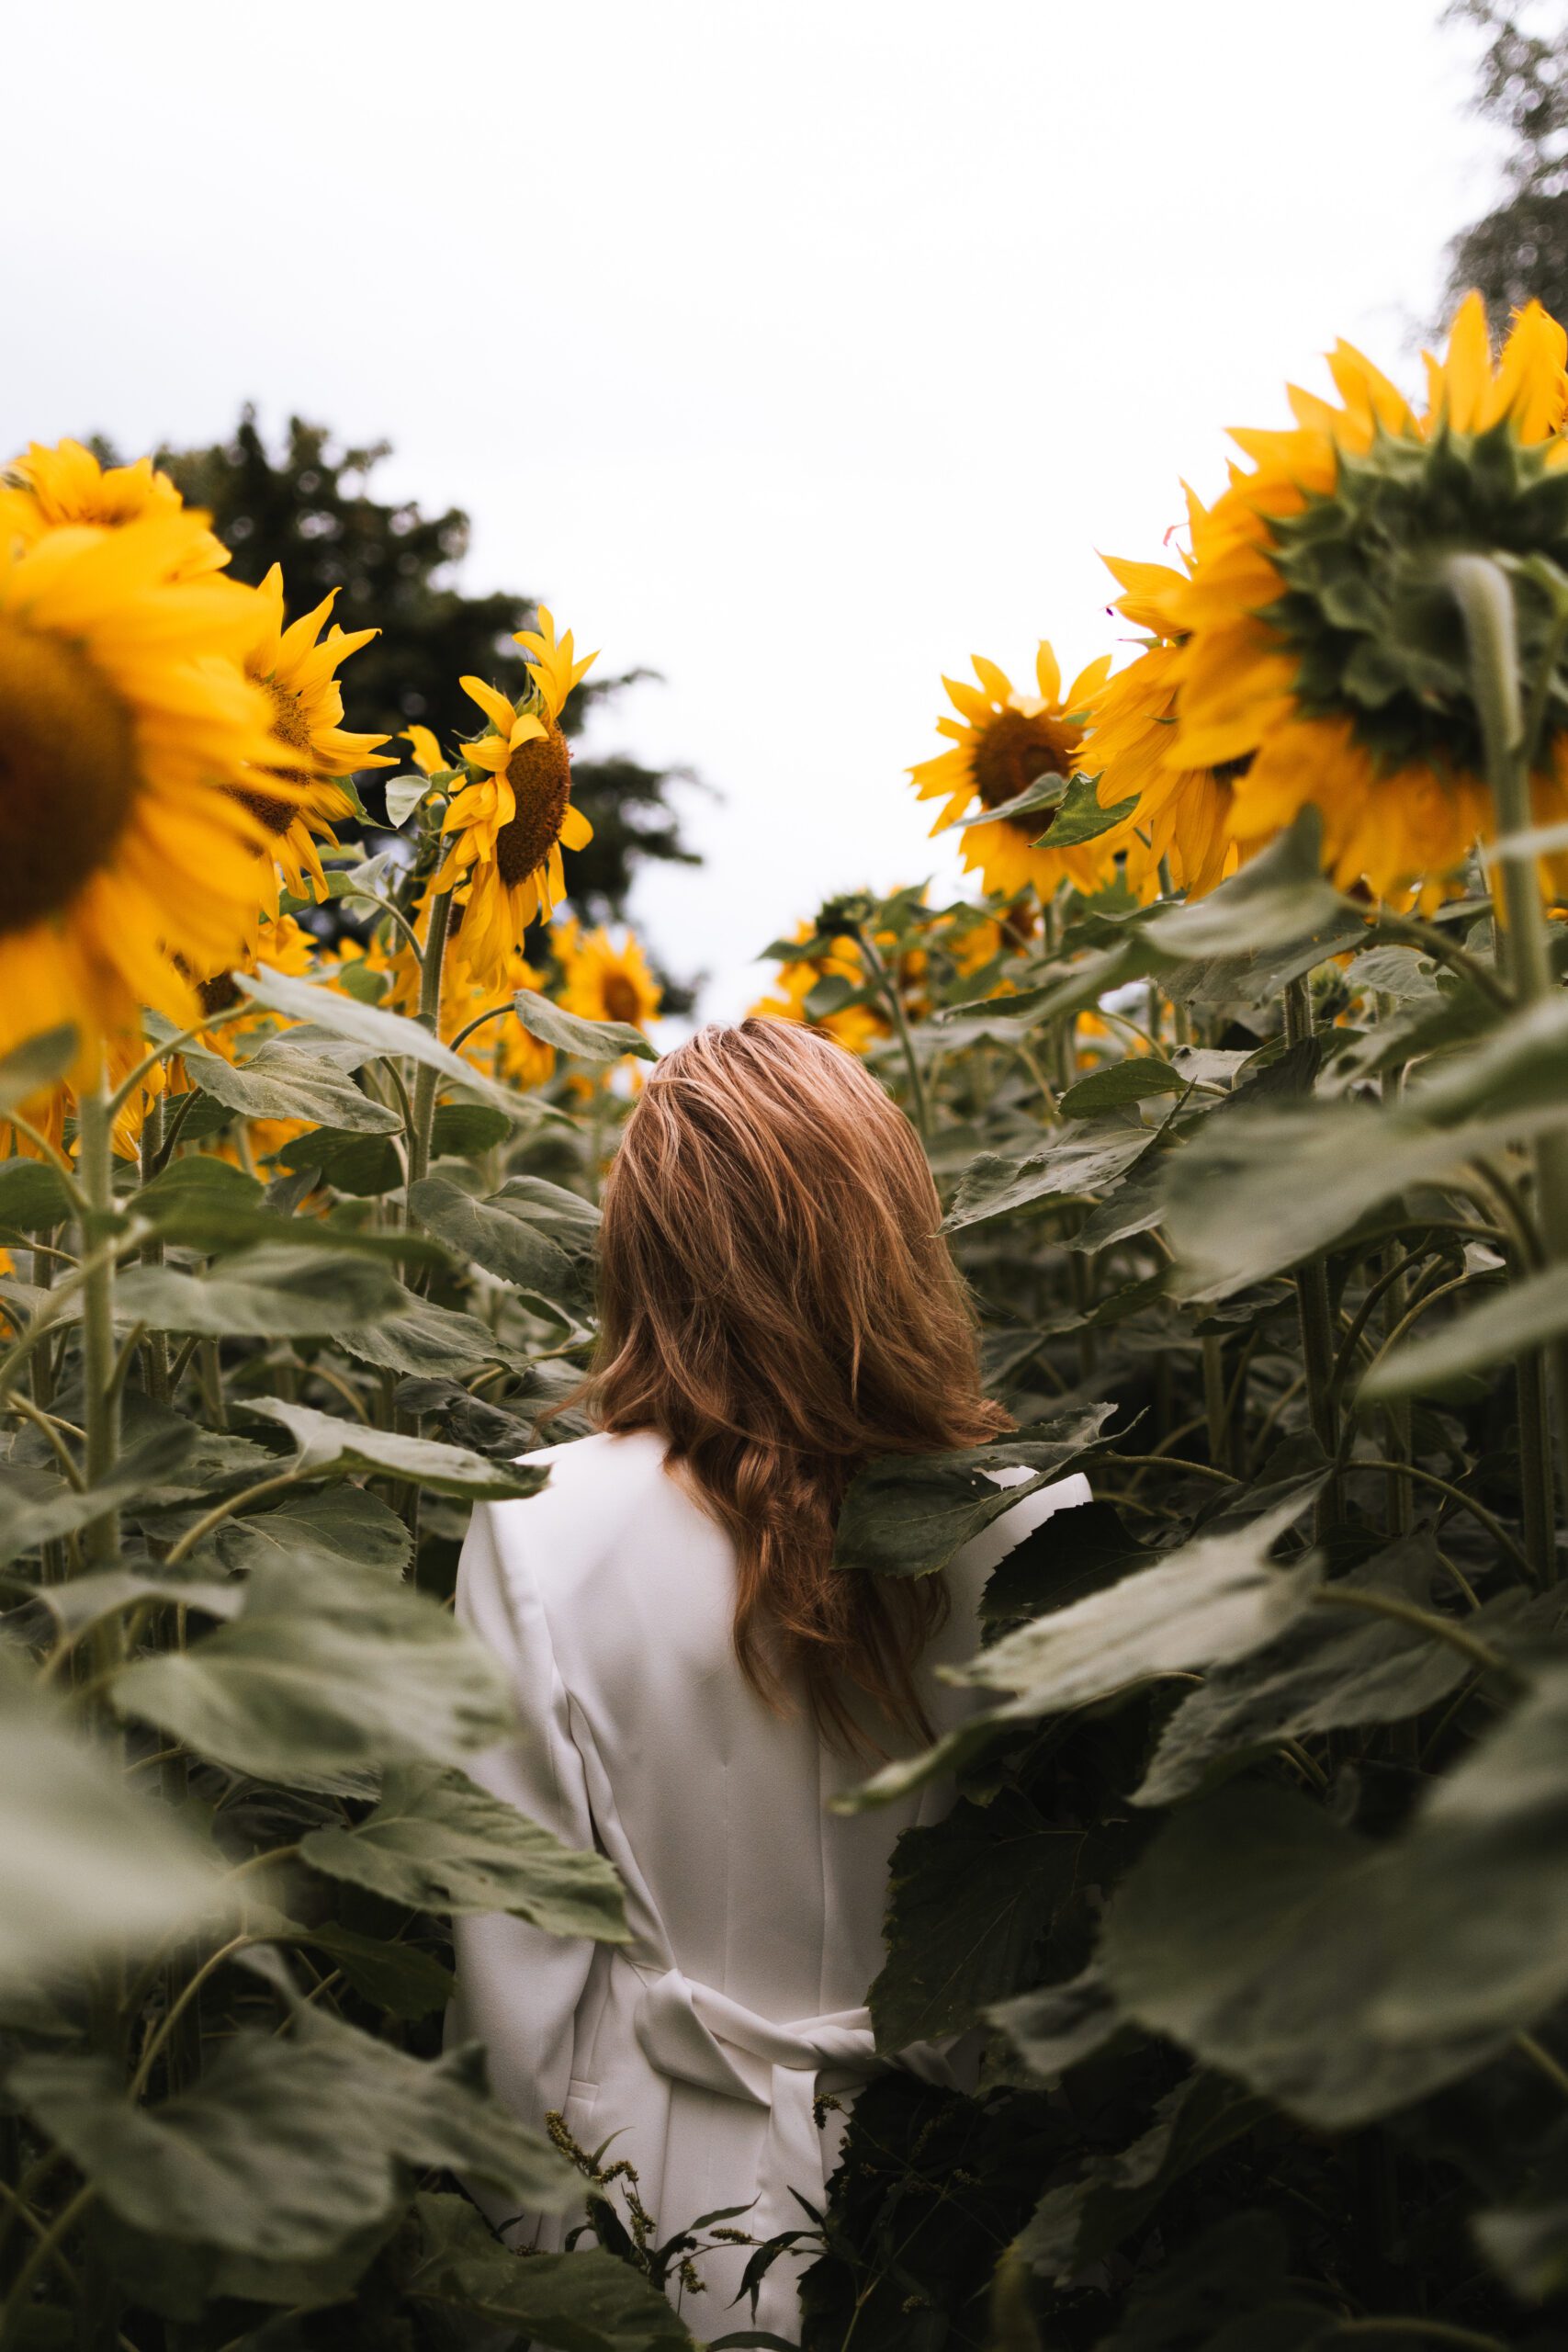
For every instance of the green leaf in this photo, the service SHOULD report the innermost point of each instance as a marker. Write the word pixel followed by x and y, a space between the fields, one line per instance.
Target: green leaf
pixel 403 795
pixel 499 1234
pixel 286 1079
pixel 465 1129
pixel 1082 2222
pixel 275 1291
pixel 584 2301
pixel 424 1340
pixel 970 1903
pixel 908 1514
pixel 1524 1315
pixel 1326 1671
pixel 381 1033
pixel 32 1198
pixel 36 1065
pixel 325 1443
pixel 1071 1554
pixel 40 1507
pixel 1131 1079
pixel 1213 1599
pixel 1080 817
pixel 1085 1158
pixel 1279 897
pixel 1258 1933
pixel 1054 2026
pixel 205 1204
pixel 325 1675
pixel 593 1041
pixel 439 1842
pixel 1047 792
pixel 402 1978
pixel 87 1864
pixel 1526 2243
pixel 324 1529
pixel 568 1220
pixel 287 2145
pixel 362 1166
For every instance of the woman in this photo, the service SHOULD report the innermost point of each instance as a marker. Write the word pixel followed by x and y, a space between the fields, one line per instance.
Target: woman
pixel 696 1680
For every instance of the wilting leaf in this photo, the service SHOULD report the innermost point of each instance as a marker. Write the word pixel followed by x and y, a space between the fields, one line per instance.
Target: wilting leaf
pixel 1055 2025
pixel 86 1863
pixel 329 1527
pixel 381 1033
pixel 32 1196
pixel 289 2144
pixel 1214 1599
pixel 38 1507
pixel 276 1291
pixel 424 1340
pixel 1326 1671
pixel 909 1513
pixel 323 1677
pixel 593 1041
pixel 970 1901
pixel 583 2301
pixel 438 1842
pixel 499 1234
pixel 1084 1159
pixel 286 1079
pixel 325 1443
pixel 1524 1315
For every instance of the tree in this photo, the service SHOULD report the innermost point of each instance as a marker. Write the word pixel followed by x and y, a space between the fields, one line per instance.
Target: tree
pixel 310 508
pixel 1520 250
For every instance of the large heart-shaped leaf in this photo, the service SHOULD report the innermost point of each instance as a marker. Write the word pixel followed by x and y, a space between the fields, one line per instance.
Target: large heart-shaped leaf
pixel 381 1033
pixel 909 1513
pixel 322 1678
pixel 424 1341
pixel 327 1443
pixel 286 1079
pixel 275 1291
pixel 326 1528
pixel 585 2301
pixel 87 1865
pixel 593 1041
pixel 499 1234
pixel 289 2145
pixel 439 1842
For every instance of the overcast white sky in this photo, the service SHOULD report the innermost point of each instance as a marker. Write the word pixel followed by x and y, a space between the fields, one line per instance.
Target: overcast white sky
pixel 797 348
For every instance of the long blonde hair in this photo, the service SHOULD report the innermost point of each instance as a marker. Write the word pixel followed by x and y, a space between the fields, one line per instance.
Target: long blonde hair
pixel 779 1305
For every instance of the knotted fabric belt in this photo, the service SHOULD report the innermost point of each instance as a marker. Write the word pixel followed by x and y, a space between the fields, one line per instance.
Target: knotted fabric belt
pixel 699 2036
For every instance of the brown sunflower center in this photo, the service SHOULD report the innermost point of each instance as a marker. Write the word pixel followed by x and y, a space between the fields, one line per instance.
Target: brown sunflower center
pixel 218 993
pixel 540 776
pixel 622 1001
pixel 68 773
pixel 1013 748
pixel 291 730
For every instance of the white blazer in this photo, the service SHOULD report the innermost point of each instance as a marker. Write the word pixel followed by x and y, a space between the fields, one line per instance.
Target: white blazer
pixel 757 1914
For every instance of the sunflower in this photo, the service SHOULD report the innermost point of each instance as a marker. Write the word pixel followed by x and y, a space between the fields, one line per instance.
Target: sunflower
pixel 1182 813
pixel 123 707
pixel 503 1048
pixel 605 982
pixel 857 1027
pixel 512 820
pixel 67 484
pixel 1322 661
pixel 1002 742
pixel 297 800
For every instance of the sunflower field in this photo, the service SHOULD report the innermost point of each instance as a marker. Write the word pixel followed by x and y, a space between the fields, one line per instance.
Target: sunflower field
pixel 1242 1070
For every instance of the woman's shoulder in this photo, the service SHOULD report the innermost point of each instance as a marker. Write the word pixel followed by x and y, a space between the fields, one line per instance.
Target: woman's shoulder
pixel 596 1487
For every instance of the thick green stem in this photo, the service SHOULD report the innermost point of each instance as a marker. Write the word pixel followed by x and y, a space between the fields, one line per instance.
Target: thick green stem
pixel 153 1250
pixel 1486 601
pixel 423 1103
pixel 101 1411
pixel 1313 1307
pixel 1215 1402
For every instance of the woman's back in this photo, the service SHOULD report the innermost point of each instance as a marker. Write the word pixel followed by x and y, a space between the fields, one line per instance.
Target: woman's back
pixel 756 1911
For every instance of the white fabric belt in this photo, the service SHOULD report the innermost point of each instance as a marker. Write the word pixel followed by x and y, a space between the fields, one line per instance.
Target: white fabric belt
pixel 702 2037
